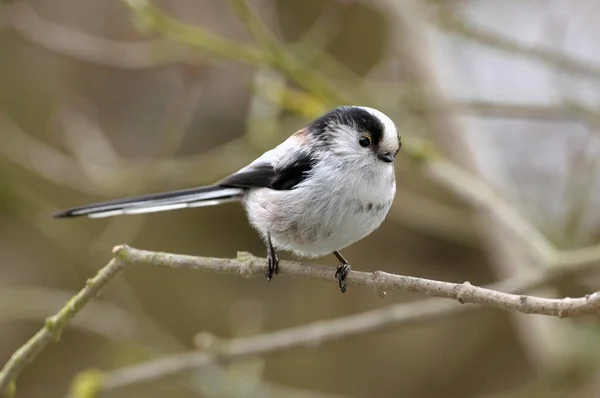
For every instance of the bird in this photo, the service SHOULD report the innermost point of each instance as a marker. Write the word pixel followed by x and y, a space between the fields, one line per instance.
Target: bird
pixel 327 186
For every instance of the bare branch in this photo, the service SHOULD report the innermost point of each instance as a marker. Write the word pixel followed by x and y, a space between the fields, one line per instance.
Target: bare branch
pixel 246 265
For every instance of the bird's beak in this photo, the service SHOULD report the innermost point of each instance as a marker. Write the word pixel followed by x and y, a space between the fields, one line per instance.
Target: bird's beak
pixel 386 157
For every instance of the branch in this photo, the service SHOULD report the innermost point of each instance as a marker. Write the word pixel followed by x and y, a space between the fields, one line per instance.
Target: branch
pixel 317 333
pixel 246 265
pixel 561 111
pixel 109 179
pixel 275 56
pixel 102 318
pixel 39 158
pixel 451 23
pixel 476 192
pixel 70 42
pixel 56 324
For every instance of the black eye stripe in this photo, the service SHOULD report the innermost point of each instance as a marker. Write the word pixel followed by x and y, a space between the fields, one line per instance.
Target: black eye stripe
pixel 366 122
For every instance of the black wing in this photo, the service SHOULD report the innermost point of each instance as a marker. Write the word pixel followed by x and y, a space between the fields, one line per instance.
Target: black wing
pixel 264 175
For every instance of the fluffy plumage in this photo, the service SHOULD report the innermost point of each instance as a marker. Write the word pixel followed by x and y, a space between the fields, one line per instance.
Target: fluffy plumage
pixel 318 192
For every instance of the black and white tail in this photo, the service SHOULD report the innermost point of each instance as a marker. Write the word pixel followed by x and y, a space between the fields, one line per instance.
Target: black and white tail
pixel 193 197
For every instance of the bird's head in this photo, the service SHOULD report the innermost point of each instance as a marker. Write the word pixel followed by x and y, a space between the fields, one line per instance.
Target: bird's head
pixel 358 133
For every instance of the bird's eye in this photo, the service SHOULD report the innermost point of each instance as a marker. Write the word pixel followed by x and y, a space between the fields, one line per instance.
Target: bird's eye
pixel 365 140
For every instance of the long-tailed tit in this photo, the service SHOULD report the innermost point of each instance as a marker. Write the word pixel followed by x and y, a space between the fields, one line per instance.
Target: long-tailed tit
pixel 326 187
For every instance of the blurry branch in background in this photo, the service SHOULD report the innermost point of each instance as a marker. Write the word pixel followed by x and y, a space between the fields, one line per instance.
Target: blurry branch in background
pixel 271 54
pixel 180 111
pixel 452 23
pixel 92 178
pixel 446 130
pixel 568 110
pixel 499 221
pixel 102 318
pixel 39 158
pixel 120 326
pixel 95 167
pixel 476 192
pixel 279 57
pixel 435 218
pixel 246 265
pixel 507 232
pixel 64 40
pixel 86 142
pixel 22 18
pixel 306 104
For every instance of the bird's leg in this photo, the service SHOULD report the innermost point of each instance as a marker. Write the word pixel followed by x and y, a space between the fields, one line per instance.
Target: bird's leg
pixel 342 271
pixel 272 259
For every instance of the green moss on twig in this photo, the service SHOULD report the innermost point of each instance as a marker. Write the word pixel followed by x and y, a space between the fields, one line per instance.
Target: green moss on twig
pixel 86 384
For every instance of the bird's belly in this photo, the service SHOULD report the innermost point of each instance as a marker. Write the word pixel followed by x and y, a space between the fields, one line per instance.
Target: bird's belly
pixel 348 225
pixel 311 227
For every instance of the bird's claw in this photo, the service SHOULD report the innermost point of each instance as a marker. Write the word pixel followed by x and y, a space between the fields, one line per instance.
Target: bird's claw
pixel 272 263
pixel 341 273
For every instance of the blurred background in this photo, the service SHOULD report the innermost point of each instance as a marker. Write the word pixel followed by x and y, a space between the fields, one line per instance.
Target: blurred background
pixel 102 99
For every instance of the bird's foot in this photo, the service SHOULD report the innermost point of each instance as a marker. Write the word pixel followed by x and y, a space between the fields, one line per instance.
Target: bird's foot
pixel 272 261
pixel 341 273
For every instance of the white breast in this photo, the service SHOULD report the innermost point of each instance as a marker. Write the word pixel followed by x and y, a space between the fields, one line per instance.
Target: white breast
pixel 327 212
